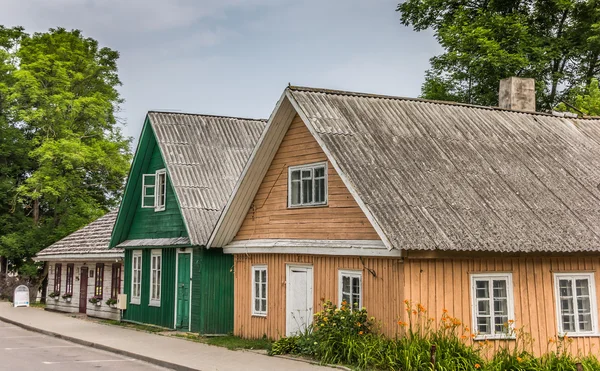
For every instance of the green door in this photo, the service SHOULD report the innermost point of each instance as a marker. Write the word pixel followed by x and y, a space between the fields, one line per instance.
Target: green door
pixel 183 292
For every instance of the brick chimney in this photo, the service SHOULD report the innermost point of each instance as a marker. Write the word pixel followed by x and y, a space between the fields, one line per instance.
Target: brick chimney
pixel 517 93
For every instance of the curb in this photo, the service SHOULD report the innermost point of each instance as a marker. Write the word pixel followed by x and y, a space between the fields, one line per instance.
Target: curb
pixel 316 363
pixel 89 344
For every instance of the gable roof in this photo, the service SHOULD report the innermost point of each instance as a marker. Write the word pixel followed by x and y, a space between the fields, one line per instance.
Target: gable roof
pixel 436 175
pixel 204 156
pixel 89 242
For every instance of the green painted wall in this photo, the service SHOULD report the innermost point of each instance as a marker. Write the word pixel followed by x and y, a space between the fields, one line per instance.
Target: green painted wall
pixel 160 316
pixel 212 292
pixel 134 222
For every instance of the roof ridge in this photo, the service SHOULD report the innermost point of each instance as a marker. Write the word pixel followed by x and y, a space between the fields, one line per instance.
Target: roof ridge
pixel 207 115
pixel 422 100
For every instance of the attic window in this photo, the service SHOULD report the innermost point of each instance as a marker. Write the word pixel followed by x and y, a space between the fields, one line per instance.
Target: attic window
pixel 307 185
pixel 154 190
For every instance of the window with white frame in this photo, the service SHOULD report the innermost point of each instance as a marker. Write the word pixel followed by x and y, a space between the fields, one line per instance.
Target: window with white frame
pixel 136 277
pixel 307 185
pixel 576 303
pixel 350 288
pixel 493 306
pixel 259 290
pixel 154 190
pixel 155 277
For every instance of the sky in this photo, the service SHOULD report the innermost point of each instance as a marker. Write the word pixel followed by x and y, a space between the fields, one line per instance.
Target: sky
pixel 235 57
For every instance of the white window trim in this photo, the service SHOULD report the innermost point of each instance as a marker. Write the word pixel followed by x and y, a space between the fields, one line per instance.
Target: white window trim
pixel 155 302
pixel 351 274
pixel 594 309
pixel 254 311
pixel 306 167
pixel 135 254
pixel 145 186
pixel 511 305
pixel 158 189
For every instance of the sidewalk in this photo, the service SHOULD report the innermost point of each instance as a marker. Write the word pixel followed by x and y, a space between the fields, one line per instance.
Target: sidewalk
pixel 160 350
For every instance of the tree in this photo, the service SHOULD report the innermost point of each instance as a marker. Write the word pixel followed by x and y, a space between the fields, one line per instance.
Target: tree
pixel 557 42
pixel 63 159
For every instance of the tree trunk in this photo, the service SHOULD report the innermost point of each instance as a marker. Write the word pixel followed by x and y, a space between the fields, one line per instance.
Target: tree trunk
pixel 44 283
pixel 36 211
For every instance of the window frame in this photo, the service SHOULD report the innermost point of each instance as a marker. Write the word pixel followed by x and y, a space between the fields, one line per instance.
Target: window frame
pixel 155 301
pixel 57 277
pixel 310 167
pixel 160 191
pixel 148 185
pixel 136 254
pixel 352 274
pixel 490 276
pixel 590 276
pixel 259 268
pixel 99 281
pixel 69 279
pixel 115 282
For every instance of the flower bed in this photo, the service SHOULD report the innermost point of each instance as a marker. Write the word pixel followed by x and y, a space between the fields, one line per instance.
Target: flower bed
pixel 348 336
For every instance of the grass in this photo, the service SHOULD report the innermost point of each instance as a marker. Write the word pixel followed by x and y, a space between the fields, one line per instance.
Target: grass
pixel 134 326
pixel 230 342
pixel 37 305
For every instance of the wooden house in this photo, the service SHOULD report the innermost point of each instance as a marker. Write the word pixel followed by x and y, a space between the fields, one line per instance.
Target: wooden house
pixel 82 267
pixel 183 172
pixel 492 214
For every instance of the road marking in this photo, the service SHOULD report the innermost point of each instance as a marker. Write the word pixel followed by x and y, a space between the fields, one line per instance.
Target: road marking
pixel 47 347
pixel 92 361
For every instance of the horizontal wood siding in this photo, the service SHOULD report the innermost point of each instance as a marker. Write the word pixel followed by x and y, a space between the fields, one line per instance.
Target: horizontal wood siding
pixel 103 311
pixel 212 292
pixel 382 294
pixel 445 284
pixel 146 222
pixel 143 313
pixel 269 216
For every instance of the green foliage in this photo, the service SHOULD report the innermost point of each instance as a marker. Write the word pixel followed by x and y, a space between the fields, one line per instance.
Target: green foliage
pixel 557 42
pixel 584 100
pixel 341 336
pixel 63 159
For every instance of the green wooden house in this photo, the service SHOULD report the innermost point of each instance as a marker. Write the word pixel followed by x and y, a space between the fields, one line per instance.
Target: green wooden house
pixel 184 170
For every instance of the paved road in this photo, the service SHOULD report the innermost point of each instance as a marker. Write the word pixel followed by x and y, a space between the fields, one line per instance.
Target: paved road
pixel 24 350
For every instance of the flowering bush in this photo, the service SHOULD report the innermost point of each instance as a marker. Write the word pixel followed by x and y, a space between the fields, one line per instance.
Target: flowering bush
pixel 111 301
pixel 67 296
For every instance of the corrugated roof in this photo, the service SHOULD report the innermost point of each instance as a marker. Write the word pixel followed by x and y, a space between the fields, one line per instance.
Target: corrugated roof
pixel 204 156
pixel 445 176
pixel 91 239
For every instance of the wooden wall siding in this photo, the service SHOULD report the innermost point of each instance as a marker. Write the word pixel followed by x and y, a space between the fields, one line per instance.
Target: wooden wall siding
pixel 212 292
pixel 382 295
pixel 104 311
pixel 146 222
pixel 143 313
pixel 269 216
pixel 445 284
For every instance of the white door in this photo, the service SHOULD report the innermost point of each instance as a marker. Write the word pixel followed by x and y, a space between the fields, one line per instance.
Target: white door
pixel 299 299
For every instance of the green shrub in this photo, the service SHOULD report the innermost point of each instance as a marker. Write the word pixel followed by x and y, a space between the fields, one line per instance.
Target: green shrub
pixel 348 336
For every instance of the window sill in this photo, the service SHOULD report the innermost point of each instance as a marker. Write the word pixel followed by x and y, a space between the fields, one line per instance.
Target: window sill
pixel 259 315
pixel 494 337
pixel 580 335
pixel 307 206
pixel 157 305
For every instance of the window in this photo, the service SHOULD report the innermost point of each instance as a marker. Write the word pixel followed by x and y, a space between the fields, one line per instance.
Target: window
pixel 99 280
pixel 259 290
pixel 155 277
pixel 576 303
pixel 136 277
pixel 115 282
pixel 307 185
pixel 154 190
pixel 350 288
pixel 493 306
pixel 57 277
pixel 69 283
